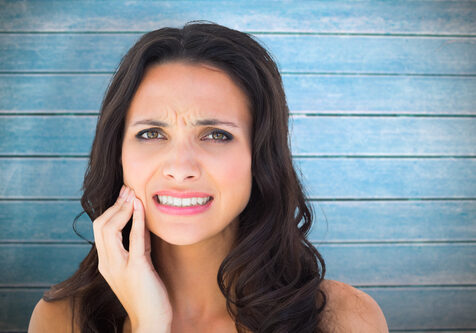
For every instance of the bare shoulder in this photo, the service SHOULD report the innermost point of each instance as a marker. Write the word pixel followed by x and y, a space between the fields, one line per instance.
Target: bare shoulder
pixel 52 317
pixel 349 309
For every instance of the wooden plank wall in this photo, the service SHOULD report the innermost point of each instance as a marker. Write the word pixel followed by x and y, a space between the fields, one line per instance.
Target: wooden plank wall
pixel 382 95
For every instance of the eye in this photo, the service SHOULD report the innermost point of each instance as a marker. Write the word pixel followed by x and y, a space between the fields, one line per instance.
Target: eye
pixel 219 135
pixel 149 134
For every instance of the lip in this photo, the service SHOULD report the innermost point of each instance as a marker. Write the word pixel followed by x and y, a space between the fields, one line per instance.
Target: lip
pixel 172 210
pixel 178 194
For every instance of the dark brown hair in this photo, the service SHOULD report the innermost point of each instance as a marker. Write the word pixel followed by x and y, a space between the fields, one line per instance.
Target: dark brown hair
pixel 271 277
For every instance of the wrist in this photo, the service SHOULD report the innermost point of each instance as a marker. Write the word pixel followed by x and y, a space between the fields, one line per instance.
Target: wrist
pixel 151 329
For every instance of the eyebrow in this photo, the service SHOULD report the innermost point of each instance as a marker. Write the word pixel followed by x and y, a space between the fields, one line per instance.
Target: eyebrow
pixel 202 122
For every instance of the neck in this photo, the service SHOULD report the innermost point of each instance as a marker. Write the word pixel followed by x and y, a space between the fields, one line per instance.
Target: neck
pixel 189 273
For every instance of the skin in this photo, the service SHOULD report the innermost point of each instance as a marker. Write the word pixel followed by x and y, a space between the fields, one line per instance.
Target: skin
pixel 173 260
pixel 187 251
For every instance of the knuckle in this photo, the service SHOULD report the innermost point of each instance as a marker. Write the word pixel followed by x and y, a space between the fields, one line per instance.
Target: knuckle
pixel 125 206
pixel 117 204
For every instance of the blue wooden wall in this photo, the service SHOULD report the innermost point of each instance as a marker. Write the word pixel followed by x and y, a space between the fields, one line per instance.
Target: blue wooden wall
pixel 382 95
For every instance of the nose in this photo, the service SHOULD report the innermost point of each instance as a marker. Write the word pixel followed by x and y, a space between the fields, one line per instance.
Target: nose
pixel 181 165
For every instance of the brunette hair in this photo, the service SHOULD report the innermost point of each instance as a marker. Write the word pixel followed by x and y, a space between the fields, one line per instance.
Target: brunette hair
pixel 271 277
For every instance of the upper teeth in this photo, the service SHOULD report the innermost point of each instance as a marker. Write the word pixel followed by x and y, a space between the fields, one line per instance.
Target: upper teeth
pixel 179 202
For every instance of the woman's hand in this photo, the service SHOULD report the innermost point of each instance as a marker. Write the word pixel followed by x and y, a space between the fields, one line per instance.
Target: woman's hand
pixel 131 275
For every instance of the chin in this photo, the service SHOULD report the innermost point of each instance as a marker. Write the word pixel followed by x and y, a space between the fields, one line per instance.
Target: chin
pixel 178 235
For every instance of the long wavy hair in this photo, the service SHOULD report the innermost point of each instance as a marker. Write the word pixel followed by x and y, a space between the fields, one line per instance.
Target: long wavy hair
pixel 271 277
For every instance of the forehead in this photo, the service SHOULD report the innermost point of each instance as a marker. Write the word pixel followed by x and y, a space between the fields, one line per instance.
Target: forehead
pixel 172 90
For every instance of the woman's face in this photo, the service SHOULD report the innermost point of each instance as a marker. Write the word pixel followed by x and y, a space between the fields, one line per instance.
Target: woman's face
pixel 188 137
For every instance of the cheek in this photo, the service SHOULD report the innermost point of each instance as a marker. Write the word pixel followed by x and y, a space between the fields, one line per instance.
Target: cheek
pixel 236 175
pixel 134 168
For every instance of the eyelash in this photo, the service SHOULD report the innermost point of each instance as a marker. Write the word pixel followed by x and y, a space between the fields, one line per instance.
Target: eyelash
pixel 227 135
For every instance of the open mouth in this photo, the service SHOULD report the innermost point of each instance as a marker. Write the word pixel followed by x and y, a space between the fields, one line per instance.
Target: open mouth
pixel 182 202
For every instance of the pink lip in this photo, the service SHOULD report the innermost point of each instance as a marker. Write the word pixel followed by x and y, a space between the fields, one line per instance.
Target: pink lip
pixel 182 210
pixel 183 194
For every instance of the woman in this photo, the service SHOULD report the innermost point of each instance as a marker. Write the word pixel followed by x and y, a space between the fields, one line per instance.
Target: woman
pixel 200 221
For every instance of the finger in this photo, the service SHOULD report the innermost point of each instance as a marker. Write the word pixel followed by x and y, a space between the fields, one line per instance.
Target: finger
pixel 108 213
pixel 99 222
pixel 139 237
pixel 122 215
pixel 110 234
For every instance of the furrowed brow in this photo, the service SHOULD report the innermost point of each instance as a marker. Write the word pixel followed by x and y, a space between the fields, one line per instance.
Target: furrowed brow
pixel 150 122
pixel 208 122
pixel 203 122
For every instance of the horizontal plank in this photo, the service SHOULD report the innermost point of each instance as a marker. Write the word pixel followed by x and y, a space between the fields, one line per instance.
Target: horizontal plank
pixel 49 221
pixel 371 178
pixel 356 264
pixel 393 221
pixel 33 265
pixel 294 53
pixel 51 177
pixel 43 221
pixel 409 136
pixel 382 136
pixel 17 306
pixel 335 178
pixel 422 17
pixel 52 92
pixel 381 94
pixel 396 264
pixel 429 307
pixel 33 135
pixel 305 93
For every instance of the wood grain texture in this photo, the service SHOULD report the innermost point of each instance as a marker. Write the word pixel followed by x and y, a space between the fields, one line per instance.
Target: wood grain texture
pixel 355 264
pixel 378 178
pixel 382 95
pixel 306 93
pixel 324 178
pixel 391 221
pixel 344 221
pixel 17 306
pixel 401 17
pixel 431 309
pixel 427 308
pixel 42 221
pixel 316 136
pixel 293 53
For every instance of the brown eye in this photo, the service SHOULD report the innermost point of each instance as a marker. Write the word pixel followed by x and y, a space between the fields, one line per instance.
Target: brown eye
pixel 219 136
pixel 149 134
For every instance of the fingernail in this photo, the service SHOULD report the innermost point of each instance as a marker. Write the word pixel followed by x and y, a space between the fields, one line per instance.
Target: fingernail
pixel 136 204
pixel 121 193
pixel 131 196
pixel 125 193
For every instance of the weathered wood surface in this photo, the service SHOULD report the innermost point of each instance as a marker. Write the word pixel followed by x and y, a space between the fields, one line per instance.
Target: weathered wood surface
pixel 383 101
pixel 72 135
pixel 370 94
pixel 296 53
pixel 375 17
